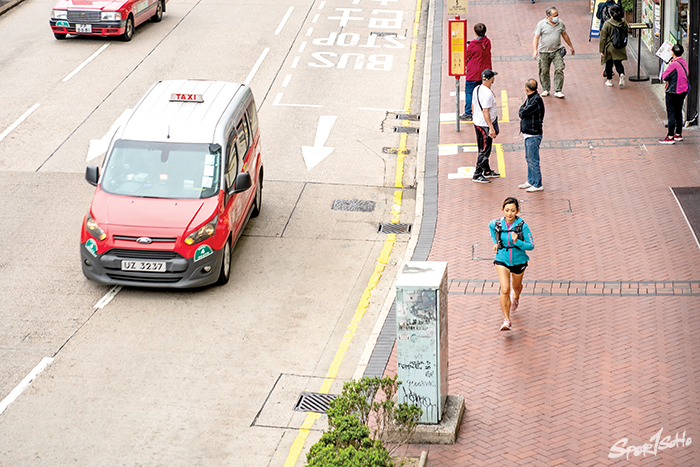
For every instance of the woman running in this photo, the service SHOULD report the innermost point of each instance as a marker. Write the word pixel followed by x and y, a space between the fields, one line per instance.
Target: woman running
pixel 511 237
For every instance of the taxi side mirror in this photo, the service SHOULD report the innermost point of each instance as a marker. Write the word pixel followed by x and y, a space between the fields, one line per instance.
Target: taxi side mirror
pixel 92 174
pixel 242 183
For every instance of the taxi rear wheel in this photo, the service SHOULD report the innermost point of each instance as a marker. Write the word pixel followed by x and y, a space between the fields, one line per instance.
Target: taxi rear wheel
pixel 225 272
pixel 159 13
pixel 59 36
pixel 128 30
pixel 257 202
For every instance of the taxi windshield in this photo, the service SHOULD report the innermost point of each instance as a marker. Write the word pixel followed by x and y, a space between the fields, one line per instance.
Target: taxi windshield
pixel 162 170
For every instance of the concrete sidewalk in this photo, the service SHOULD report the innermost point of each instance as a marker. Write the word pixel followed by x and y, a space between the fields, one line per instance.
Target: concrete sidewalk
pixel 601 356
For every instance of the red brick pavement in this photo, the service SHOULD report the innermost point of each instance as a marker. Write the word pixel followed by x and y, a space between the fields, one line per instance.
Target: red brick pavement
pixel 578 373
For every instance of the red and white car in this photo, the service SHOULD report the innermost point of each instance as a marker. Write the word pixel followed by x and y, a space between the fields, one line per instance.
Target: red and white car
pixel 103 17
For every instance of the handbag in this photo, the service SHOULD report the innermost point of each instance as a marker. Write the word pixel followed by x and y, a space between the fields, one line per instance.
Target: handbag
pixel 562 51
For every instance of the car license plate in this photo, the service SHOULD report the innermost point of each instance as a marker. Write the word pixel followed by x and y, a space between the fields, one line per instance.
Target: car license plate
pixel 83 28
pixel 148 266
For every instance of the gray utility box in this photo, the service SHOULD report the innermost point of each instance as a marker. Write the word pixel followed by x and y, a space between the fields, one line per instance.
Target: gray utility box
pixel 421 337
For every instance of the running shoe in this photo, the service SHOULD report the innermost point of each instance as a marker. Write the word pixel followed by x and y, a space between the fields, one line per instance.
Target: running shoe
pixel 514 305
pixel 667 140
pixel 506 325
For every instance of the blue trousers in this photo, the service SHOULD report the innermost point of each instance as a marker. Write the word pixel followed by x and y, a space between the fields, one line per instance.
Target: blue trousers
pixel 469 87
pixel 532 156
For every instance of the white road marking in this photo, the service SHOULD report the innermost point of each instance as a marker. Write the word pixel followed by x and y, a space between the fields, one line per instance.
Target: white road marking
pixel 295 62
pixel 108 297
pixel 18 121
pixel 321 5
pixel 284 20
pixel 302 47
pixel 316 153
pixel 99 146
pixel 278 101
pixel 82 65
pixel 46 361
pixel 380 110
pixel 310 31
pixel 286 81
pixel 316 17
pixel 256 66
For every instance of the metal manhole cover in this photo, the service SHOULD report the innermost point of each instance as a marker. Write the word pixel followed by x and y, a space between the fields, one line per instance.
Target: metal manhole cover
pixel 313 402
pixel 353 205
pixel 394 228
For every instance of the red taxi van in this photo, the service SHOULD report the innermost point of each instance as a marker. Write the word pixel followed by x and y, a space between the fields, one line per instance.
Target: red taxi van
pixel 103 17
pixel 181 177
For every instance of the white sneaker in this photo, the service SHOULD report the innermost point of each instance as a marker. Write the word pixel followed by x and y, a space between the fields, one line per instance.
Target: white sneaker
pixel 524 185
pixel 608 83
pixel 559 94
pixel 535 188
pixel 544 93
pixel 622 81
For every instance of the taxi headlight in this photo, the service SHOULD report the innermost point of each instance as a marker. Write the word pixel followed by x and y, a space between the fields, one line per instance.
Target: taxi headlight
pixel 111 16
pixel 94 229
pixel 59 14
pixel 202 233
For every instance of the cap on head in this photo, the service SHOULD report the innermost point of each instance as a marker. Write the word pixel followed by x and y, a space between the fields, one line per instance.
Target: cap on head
pixel 488 74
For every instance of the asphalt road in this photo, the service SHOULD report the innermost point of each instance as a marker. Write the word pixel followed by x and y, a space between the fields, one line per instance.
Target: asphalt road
pixel 204 377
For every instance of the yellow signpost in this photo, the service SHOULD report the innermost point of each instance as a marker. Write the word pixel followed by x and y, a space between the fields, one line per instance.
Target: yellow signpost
pixel 458 41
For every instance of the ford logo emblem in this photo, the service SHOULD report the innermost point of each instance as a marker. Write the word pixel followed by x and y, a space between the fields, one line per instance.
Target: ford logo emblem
pixel 144 240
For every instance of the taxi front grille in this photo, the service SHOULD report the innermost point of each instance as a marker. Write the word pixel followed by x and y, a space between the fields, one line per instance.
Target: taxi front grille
pixel 146 277
pixel 142 254
pixel 84 17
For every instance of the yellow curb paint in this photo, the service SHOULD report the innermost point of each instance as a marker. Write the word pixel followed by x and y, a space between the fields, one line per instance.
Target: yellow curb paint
pixel 298 443
pixel 504 106
pixel 501 160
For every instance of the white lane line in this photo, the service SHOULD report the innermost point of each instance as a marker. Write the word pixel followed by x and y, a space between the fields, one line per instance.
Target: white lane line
pixel 285 83
pixel 108 297
pixel 284 20
pixel 302 46
pixel 18 121
pixel 82 65
pixel 256 66
pixel 295 62
pixel 309 31
pixel 316 17
pixel 321 5
pixel 278 101
pixel 46 361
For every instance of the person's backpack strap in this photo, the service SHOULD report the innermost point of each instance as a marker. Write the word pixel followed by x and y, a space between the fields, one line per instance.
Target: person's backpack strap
pixel 497 228
pixel 518 229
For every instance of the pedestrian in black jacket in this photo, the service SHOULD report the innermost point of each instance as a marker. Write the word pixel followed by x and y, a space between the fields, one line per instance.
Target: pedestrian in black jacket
pixel 531 118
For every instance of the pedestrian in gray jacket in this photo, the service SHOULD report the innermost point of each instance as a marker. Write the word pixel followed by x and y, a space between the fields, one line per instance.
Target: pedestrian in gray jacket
pixel 531 118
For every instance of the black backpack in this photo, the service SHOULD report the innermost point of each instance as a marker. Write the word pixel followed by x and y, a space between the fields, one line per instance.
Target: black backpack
pixel 619 37
pixel 518 229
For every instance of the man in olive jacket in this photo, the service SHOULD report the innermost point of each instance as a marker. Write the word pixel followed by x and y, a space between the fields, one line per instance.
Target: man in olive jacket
pixel 609 55
pixel 531 118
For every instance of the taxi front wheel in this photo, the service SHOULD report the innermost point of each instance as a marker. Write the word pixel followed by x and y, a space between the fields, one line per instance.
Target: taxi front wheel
pixel 225 272
pixel 128 30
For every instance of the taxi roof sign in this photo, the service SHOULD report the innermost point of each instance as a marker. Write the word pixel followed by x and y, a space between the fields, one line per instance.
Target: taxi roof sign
pixel 178 97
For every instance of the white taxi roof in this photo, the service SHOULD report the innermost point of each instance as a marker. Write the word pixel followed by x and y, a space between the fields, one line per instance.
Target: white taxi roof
pixel 180 111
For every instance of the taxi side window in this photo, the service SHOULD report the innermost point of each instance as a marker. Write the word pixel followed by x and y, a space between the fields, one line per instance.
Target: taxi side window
pixel 243 136
pixel 231 160
pixel 253 118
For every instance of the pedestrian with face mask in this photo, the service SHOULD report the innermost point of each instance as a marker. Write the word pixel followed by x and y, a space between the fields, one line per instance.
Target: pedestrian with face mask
pixel 547 50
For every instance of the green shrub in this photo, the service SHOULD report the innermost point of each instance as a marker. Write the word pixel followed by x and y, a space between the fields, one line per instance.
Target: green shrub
pixel 349 442
pixel 627 5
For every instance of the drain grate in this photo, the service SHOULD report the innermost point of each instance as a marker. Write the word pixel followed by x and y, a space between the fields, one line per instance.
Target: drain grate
pixel 313 402
pixel 405 129
pixel 394 228
pixel 356 205
pixel 411 117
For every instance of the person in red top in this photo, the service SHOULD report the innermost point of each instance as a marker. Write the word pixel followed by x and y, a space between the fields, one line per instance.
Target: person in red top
pixel 478 59
pixel 676 77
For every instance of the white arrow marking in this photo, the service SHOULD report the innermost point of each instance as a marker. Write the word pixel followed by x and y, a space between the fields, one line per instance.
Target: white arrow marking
pixel 99 146
pixel 316 153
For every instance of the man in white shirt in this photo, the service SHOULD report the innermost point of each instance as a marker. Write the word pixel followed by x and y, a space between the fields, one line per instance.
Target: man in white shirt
pixel 547 44
pixel 485 124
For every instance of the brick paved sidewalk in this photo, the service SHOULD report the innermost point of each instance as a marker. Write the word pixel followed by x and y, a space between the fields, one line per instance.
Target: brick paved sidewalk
pixel 603 345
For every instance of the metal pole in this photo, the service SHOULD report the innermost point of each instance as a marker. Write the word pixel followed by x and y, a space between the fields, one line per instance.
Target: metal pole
pixel 693 65
pixel 457 100
pixel 639 77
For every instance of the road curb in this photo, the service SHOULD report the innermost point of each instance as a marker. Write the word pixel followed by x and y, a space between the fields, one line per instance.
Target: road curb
pixel 9 5
pixel 423 459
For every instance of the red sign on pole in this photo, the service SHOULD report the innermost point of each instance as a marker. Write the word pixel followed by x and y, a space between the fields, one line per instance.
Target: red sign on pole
pixel 457 46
